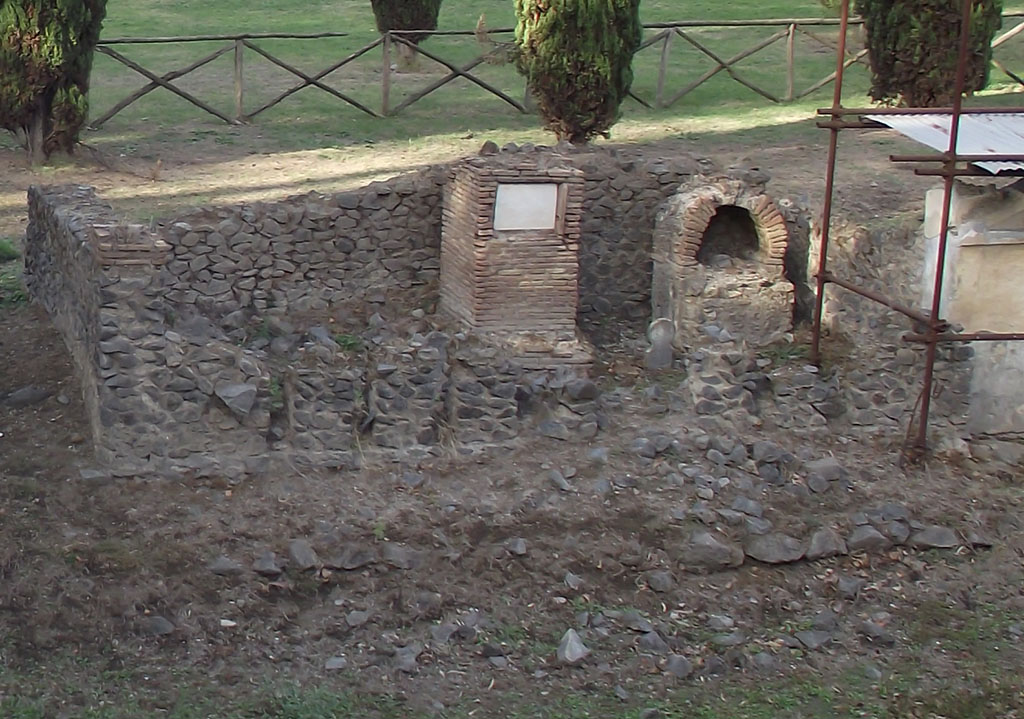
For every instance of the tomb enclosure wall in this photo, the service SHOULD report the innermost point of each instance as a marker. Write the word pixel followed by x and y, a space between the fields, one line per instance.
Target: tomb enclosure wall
pixel 163 321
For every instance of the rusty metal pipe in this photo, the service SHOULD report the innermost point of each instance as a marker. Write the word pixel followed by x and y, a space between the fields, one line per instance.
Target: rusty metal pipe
pixel 830 177
pixel 947 197
pixel 941 157
pixel 966 337
pixel 850 125
pixel 881 299
pixel 962 172
pixel 839 111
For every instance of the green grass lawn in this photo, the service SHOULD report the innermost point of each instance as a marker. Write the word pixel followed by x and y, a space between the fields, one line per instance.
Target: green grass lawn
pixel 311 118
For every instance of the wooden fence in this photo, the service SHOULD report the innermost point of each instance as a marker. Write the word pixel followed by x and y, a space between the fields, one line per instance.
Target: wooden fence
pixel 783 30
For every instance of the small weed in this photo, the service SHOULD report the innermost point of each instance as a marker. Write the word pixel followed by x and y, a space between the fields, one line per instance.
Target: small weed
pixel 782 353
pixel 582 604
pixel 510 634
pixel 16 708
pixel 8 252
pixel 983 699
pixel 380 530
pixel 12 291
pixel 348 342
pixel 263 331
pixel 276 394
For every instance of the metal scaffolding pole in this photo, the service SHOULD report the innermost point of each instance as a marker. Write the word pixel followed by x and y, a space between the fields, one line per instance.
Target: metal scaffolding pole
pixel 936 329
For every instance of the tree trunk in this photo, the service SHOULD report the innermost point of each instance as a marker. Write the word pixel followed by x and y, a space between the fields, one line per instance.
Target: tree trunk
pixel 407 57
pixel 35 135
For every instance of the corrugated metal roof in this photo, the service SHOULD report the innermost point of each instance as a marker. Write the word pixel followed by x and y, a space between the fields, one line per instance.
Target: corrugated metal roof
pixel 979 134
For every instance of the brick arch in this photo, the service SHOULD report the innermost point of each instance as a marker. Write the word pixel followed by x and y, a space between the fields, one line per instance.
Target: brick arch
pixel 703 203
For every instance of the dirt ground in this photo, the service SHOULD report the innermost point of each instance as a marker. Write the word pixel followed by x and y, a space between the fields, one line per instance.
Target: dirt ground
pixel 458 577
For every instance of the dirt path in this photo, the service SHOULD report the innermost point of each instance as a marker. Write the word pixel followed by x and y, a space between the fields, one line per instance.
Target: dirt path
pixel 445 589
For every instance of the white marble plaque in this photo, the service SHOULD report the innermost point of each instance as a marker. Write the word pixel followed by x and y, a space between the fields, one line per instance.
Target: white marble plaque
pixel 525 206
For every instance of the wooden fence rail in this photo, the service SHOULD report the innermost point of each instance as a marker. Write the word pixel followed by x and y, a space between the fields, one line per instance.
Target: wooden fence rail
pixel 665 35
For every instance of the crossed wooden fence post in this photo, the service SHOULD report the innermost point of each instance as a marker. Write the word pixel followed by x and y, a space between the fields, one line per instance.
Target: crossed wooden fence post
pixel 238 43
pixel 663 97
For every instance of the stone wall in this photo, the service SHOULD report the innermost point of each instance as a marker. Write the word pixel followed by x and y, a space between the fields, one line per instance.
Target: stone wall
pixel 310 252
pixel 303 328
pixel 62 273
pixel 621 199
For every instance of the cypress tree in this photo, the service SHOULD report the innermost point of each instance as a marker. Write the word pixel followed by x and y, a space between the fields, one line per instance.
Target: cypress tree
pixel 577 58
pixel 46 49
pixel 407 15
pixel 913 47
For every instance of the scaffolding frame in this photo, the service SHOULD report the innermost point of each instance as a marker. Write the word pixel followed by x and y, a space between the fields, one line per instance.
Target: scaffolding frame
pixel 947 165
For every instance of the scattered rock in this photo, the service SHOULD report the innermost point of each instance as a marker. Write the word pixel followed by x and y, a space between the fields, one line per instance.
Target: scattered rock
pixel 405 657
pixel 935 537
pixel 352 557
pixel 632 619
pixel 827 467
pixel 748 506
pixel 826 620
pixel 644 447
pixel 849 587
pixel 571 650
pixel 678 666
pixel 720 622
pixel 558 480
pixel 553 429
pixel 659 355
pixel 490 649
pixel 267 565
pixel 239 398
pixel 891 511
pixel 872 673
pixel 711 552
pixel 400 557
pixel 336 663
pixel 867 538
pixel 654 643
pixel 516 546
pixel 225 566
pixel 582 390
pixel 763 662
pixel 897 532
pixel 732 639
pixel 441 633
pixel 660 580
pixel 413 480
pixel 428 604
pixel 357 618
pixel 825 542
pixel 156 626
pixel 814 639
pixel 757 525
pixel 979 539
pixel 876 633
pixel 818 484
pixel 774 548
pixel 302 555
pixel 715 666
pixel 26 396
